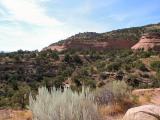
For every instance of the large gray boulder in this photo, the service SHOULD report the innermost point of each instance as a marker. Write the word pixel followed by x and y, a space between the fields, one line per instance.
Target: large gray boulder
pixel 145 112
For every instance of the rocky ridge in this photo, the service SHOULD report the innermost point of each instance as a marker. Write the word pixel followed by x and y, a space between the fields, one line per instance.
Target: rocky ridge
pixel 117 39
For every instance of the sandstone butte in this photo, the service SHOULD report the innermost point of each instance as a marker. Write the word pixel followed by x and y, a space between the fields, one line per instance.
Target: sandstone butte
pixel 148 41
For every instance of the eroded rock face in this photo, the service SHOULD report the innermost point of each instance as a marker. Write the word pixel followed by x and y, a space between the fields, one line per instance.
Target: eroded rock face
pixel 146 112
pixel 100 45
pixel 148 41
pixel 95 45
pixel 58 48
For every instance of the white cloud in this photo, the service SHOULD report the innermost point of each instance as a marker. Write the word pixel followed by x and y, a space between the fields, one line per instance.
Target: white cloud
pixel 16 37
pixel 14 34
pixel 28 11
pixel 24 24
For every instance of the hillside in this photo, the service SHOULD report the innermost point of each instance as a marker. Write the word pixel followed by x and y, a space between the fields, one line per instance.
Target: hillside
pixel 23 72
pixel 117 39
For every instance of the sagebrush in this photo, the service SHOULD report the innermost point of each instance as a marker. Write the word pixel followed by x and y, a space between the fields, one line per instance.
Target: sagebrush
pixel 115 91
pixel 63 105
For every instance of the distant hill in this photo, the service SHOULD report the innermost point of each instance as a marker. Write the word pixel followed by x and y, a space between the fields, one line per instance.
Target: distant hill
pixel 116 39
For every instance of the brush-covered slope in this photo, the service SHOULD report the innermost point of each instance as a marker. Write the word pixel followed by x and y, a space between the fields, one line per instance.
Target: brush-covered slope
pixel 117 39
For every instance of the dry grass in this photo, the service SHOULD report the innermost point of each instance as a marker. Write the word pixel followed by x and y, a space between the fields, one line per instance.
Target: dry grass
pixel 147 61
pixel 146 96
pixel 66 105
pixel 116 117
pixel 115 109
pixel 114 100
pixel 111 110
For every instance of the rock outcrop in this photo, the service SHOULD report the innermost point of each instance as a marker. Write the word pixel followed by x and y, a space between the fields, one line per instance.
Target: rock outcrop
pixel 58 48
pixel 99 45
pixel 148 41
pixel 90 44
pixel 116 39
pixel 146 112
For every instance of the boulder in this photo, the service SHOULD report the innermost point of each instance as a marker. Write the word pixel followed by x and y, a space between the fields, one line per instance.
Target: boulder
pixel 145 112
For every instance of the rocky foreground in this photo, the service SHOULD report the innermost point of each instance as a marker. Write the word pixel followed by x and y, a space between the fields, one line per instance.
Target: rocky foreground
pixel 145 112
pixel 149 108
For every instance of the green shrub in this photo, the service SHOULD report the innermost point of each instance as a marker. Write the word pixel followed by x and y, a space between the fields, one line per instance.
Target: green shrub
pixel 94 55
pixel 132 80
pixel 120 90
pixel 113 92
pixel 67 58
pixel 90 82
pixel 66 105
pixel 115 66
pixel 139 65
pixel 77 59
pixel 156 80
pixel 54 55
pixel 145 54
pixel 155 65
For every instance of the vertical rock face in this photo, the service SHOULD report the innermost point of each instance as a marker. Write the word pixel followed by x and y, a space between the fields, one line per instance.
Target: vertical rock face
pixel 100 45
pixel 116 39
pixel 148 41
pixel 93 45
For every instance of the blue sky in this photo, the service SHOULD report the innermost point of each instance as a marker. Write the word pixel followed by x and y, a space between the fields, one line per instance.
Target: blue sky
pixel 34 24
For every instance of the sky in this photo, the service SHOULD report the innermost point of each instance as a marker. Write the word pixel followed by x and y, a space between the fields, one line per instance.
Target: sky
pixel 34 24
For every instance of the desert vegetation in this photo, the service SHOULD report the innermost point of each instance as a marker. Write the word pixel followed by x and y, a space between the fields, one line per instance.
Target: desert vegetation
pixel 23 72
pixel 63 105
pixel 53 104
pixel 85 84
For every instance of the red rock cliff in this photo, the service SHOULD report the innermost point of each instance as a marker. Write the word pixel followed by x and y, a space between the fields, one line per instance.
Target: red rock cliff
pixel 148 41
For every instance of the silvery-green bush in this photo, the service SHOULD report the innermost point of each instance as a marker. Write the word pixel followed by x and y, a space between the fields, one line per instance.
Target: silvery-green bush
pixel 66 105
pixel 115 91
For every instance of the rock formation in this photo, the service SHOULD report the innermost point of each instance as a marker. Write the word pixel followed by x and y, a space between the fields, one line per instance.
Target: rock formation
pixel 58 48
pixel 146 112
pixel 116 39
pixel 148 41
pixel 91 44
pixel 99 45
